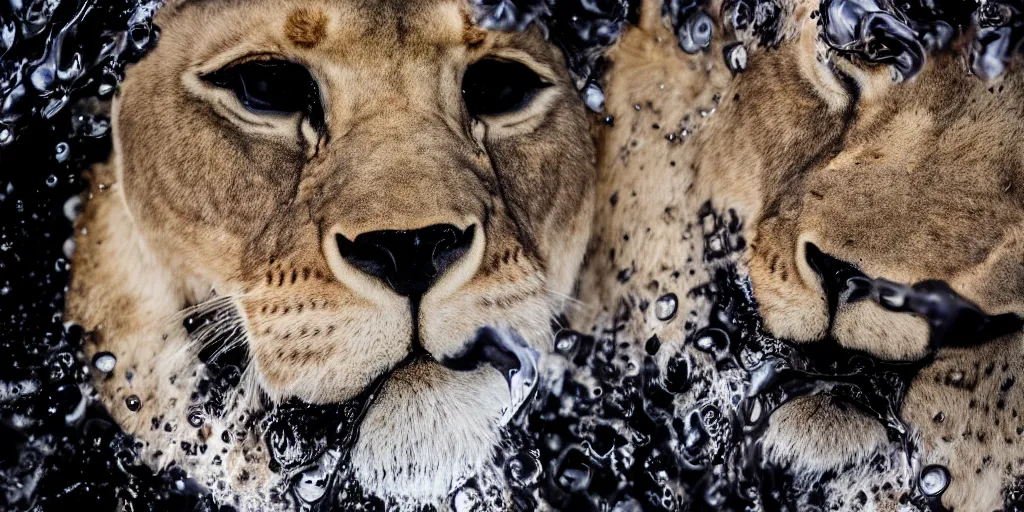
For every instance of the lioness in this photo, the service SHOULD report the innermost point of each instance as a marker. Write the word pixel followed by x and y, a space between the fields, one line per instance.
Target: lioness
pixel 342 192
pixel 835 168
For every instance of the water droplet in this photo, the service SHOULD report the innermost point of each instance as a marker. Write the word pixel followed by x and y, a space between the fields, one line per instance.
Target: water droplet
pixel 62 152
pixel 754 411
pixel 566 342
pixel 196 418
pixel 289 442
pixel 593 97
pixel 72 207
pixel 133 402
pixel 695 33
pixel 311 484
pixel 666 306
pixel 106 88
pixel 467 499
pixel 69 247
pixel 139 35
pixel 523 468
pixel 735 57
pixel 694 433
pixel 104 362
pixel 653 345
pixel 934 480
pixel 7 34
pixel 51 180
pixel 573 474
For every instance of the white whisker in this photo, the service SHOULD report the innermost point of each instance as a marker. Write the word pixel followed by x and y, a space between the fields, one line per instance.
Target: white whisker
pixel 229 345
pixel 215 304
pixel 573 302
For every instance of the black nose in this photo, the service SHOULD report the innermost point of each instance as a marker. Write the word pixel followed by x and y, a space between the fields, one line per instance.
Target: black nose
pixel 408 261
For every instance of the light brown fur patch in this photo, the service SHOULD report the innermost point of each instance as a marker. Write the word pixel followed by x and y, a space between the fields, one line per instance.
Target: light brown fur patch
pixel 472 35
pixel 306 27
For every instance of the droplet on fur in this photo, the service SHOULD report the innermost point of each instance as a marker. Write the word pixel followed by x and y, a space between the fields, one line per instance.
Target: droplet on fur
pixel 196 418
pixel 133 402
pixel 106 87
pixel 695 33
pixel 72 207
pixel 104 362
pixel 507 352
pixel 467 499
pixel 593 96
pixel 68 248
pixel 934 480
pixel 713 341
pixel 524 468
pixel 566 342
pixel 311 485
pixel 666 306
pixel 735 57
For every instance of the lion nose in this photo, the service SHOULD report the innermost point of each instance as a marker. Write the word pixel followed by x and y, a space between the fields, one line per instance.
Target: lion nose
pixel 408 261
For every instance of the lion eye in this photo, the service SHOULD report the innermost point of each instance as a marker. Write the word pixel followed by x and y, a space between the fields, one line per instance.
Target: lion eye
pixel 492 87
pixel 271 87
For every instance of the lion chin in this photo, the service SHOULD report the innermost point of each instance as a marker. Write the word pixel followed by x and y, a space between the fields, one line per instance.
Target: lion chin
pixel 455 415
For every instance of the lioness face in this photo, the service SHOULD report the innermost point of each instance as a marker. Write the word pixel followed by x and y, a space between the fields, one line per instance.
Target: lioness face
pixel 832 170
pixel 369 182
pixel 831 163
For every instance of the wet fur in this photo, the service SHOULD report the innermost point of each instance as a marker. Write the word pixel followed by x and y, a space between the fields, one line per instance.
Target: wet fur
pixel 907 181
pixel 203 197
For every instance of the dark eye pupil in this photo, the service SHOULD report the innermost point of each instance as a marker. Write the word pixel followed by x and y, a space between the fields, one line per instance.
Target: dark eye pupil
pixel 274 87
pixel 493 86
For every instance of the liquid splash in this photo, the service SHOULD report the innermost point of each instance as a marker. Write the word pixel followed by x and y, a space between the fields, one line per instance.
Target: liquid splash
pixel 901 34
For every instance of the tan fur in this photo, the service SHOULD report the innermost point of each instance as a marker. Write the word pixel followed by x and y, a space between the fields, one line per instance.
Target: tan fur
pixel 202 196
pixel 306 28
pixel 909 181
